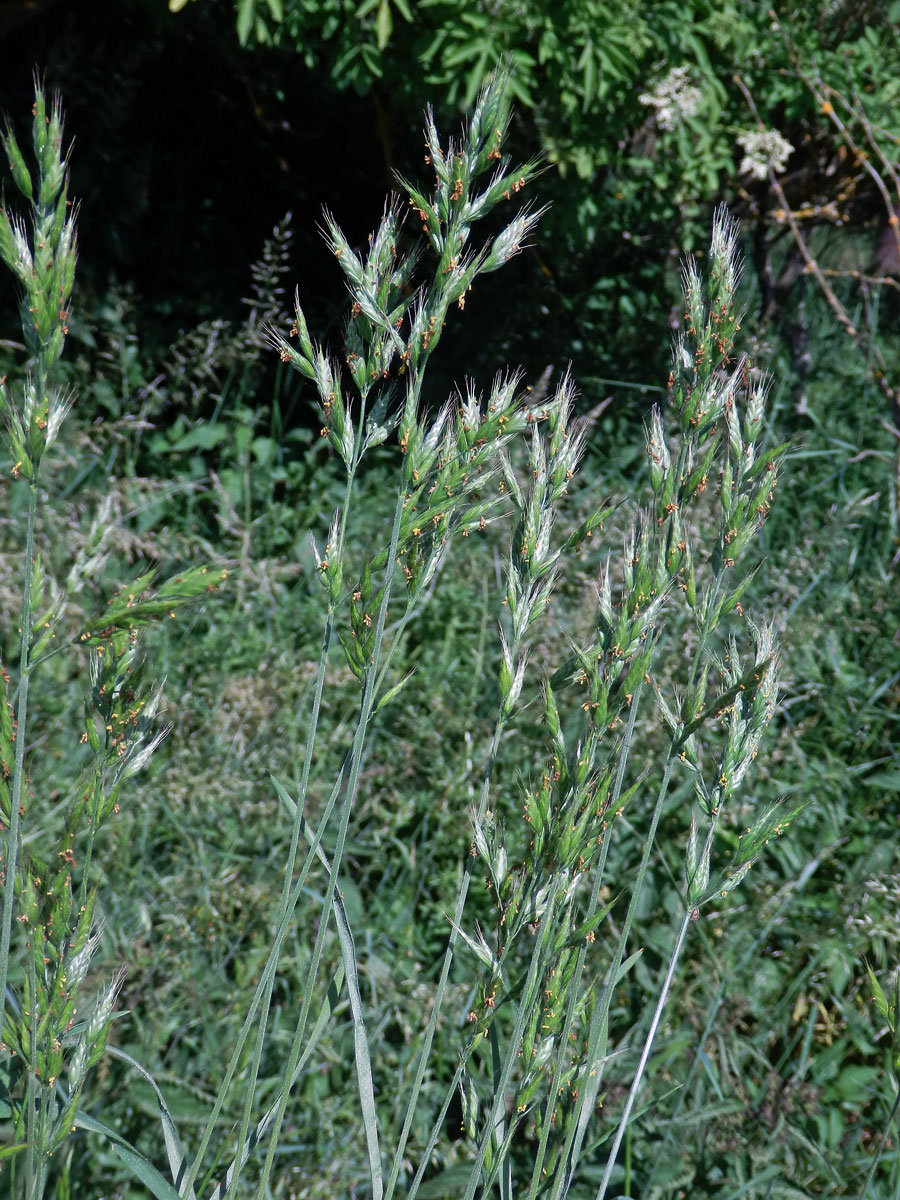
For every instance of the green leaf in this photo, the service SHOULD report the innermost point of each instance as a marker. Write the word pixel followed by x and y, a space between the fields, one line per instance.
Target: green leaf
pixel 146 1173
pixel 449 1184
pixel 384 24
pixel 174 1147
pixel 360 1039
pixel 143 1170
pixel 888 781
pixel 323 1020
pixel 201 437
pixel 626 966
pixel 246 13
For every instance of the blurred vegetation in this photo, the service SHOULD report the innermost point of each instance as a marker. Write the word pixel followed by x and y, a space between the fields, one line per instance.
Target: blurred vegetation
pixel 197 130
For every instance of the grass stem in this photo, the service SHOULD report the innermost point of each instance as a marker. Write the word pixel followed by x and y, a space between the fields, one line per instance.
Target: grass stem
pixel 18 782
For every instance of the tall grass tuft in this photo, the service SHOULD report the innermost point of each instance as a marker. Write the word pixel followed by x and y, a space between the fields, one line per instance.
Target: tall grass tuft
pixel 538 1046
pixel 54 1027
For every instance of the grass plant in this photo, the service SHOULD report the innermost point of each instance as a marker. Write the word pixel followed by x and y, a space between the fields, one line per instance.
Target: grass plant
pixel 519 1042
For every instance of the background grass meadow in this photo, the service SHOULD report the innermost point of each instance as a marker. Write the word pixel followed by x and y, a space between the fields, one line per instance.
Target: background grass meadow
pixel 190 441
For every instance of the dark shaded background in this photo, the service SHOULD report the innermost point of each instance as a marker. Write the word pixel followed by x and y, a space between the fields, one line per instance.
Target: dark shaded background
pixel 188 149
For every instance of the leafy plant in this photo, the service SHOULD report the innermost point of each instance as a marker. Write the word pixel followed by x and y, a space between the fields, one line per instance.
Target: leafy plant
pixel 544 952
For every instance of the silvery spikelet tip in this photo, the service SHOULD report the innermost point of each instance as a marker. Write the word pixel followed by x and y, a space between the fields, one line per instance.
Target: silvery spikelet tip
pixel 723 247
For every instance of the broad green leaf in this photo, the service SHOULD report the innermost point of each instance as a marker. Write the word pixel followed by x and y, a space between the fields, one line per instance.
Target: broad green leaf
pixel 246 14
pixel 384 24
pixel 202 437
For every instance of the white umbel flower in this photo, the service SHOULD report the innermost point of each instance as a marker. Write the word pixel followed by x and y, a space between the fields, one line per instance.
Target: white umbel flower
pixel 673 98
pixel 764 149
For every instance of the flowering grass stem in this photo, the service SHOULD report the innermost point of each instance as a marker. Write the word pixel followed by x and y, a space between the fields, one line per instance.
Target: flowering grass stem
pixel 538 1041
